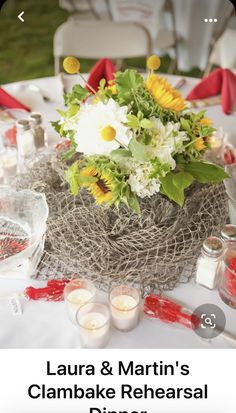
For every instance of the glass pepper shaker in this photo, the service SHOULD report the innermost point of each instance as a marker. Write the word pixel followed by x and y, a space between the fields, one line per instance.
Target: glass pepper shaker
pixel 35 119
pixel 227 277
pixel 208 261
pixel 228 234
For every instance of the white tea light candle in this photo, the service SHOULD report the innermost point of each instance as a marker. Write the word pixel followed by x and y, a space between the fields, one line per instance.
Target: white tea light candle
pixel 93 320
pixel 77 293
pixel 125 307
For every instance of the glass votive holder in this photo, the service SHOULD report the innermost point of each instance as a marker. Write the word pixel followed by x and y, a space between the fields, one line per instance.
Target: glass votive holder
pixel 125 307
pixel 8 162
pixel 93 320
pixel 77 293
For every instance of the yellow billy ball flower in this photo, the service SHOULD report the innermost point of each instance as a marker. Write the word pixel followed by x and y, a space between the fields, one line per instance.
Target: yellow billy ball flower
pixel 199 144
pixel 108 133
pixel 206 122
pixel 71 65
pixel 153 62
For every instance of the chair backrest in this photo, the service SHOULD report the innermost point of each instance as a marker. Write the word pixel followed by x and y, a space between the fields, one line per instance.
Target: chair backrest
pixel 96 39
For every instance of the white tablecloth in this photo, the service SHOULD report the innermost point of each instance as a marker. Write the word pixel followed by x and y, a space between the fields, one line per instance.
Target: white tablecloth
pixel 45 325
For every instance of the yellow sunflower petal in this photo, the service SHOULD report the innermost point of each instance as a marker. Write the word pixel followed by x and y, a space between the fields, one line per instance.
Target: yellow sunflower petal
pixel 163 93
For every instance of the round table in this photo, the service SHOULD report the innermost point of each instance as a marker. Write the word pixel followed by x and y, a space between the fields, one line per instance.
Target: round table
pixel 45 324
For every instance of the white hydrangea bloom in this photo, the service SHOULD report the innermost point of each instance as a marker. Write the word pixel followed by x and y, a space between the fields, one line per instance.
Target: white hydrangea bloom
pixel 139 180
pixel 90 121
pixel 167 141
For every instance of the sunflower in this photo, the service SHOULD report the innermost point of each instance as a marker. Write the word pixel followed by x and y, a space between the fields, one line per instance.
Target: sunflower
pixel 102 189
pixel 164 94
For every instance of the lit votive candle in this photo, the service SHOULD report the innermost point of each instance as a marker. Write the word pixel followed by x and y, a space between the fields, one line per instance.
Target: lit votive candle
pixel 77 293
pixel 125 307
pixel 93 320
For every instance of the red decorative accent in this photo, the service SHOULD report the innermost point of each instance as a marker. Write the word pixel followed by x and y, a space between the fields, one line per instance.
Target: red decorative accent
pixel 54 291
pixel 230 277
pixel 10 246
pixel 156 306
pixel 220 81
pixel 10 135
pixel 103 69
pixel 10 102
pixel 229 155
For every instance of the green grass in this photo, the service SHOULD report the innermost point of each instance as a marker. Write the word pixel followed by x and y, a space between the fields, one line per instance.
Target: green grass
pixel 26 49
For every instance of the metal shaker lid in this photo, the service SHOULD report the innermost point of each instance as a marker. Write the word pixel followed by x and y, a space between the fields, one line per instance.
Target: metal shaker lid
pixel 213 246
pixel 23 125
pixel 35 118
pixel 228 233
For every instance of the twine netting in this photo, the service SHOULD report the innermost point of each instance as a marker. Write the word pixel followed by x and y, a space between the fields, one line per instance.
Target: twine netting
pixel 154 251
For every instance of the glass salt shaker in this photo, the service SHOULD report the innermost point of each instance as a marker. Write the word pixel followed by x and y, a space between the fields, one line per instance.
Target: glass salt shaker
pixel 208 262
pixel 227 277
pixel 25 141
pixel 35 119
pixel 228 234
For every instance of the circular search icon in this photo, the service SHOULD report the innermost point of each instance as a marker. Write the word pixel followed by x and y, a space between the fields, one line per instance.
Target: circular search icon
pixel 211 321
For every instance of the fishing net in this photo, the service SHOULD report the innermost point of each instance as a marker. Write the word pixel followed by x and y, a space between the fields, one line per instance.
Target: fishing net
pixel 154 251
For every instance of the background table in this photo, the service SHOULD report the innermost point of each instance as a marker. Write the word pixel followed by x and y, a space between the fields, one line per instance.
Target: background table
pixel 45 325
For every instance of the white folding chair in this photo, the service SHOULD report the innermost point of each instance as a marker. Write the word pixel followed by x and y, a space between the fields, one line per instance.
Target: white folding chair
pixel 96 39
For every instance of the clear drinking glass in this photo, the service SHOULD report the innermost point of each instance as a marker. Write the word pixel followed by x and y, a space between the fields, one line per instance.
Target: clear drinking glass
pixel 125 307
pixel 227 277
pixel 93 320
pixel 78 292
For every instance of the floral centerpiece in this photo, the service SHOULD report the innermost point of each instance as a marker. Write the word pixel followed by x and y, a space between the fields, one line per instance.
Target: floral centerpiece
pixel 137 138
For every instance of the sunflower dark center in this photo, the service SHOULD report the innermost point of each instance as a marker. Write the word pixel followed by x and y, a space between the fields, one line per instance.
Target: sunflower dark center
pixel 101 184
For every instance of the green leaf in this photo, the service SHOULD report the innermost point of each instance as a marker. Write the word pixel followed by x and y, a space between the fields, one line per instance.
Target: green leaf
pixel 169 189
pixel 182 180
pixel 133 121
pixel 185 124
pixel 119 154
pixel 205 172
pixel 206 130
pixel 72 177
pixel 77 95
pixel 146 124
pixel 138 150
pixel 68 154
pixel 102 84
pixel 72 111
pixel 56 125
pixel 198 116
pixel 61 112
pixel 129 79
pixel 133 203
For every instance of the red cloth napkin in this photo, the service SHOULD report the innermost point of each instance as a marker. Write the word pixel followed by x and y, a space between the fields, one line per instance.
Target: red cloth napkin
pixel 103 69
pixel 220 81
pixel 10 102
